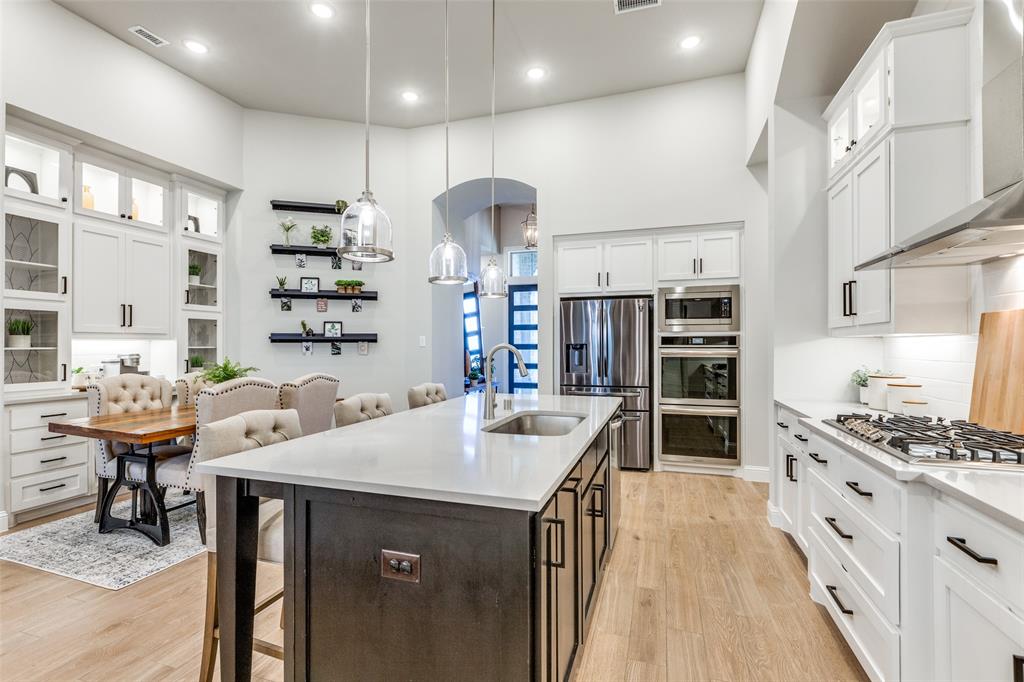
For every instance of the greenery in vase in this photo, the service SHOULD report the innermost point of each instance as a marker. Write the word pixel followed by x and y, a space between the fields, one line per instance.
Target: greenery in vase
pixel 19 327
pixel 195 269
pixel 287 226
pixel 306 331
pixel 78 370
pixel 227 370
pixel 281 282
pixel 473 376
pixel 321 235
pixel 860 376
pixel 196 361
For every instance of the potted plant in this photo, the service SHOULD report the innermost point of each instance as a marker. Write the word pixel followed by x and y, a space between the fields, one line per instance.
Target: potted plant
pixel 349 286
pixel 287 225
pixel 194 271
pixel 19 333
pixel 306 329
pixel 321 235
pixel 340 205
pixel 225 371
pixel 474 377
pixel 196 362
pixel 79 377
pixel 859 378
pixel 281 282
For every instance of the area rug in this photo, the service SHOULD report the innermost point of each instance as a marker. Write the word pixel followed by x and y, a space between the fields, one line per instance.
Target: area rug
pixel 73 547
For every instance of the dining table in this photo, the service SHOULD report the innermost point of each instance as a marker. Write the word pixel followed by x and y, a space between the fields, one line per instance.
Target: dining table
pixel 139 432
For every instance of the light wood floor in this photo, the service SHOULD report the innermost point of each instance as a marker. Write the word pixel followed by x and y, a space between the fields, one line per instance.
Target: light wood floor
pixel 699 587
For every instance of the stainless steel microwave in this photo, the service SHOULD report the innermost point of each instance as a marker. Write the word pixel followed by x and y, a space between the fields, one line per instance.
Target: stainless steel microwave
pixel 699 308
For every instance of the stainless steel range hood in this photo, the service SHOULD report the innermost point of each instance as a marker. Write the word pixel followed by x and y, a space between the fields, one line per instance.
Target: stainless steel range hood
pixel 992 227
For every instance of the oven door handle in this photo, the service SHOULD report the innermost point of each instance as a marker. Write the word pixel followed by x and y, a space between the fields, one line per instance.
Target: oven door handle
pixel 701 411
pixel 709 352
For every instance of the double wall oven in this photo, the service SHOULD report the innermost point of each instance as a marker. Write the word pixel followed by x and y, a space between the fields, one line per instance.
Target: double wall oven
pixel 699 387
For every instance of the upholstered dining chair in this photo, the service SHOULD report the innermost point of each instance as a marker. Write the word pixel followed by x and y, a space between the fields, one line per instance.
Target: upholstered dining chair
pixel 121 394
pixel 362 407
pixel 240 433
pixel 187 387
pixel 426 394
pixel 313 397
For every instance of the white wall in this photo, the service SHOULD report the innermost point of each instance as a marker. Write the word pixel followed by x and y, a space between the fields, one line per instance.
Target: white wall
pixel 308 159
pixel 764 66
pixel 63 68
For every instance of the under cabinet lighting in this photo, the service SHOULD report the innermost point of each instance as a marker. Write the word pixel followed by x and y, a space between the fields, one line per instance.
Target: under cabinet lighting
pixel 321 10
pixel 196 46
pixel 690 42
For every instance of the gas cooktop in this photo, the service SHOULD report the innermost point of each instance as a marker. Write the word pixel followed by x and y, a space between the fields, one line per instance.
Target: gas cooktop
pixel 924 440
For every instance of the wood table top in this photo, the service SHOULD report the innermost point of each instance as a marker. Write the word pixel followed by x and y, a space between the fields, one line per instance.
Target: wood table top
pixel 139 428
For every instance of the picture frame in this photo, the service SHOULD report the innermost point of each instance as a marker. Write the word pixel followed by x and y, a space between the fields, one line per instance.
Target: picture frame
pixel 286 304
pixel 335 348
pixel 332 329
pixel 309 285
pixel 300 260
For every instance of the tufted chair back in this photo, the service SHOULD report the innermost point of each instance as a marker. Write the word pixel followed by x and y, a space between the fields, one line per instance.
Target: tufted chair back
pixel 313 396
pixel 362 407
pixel 239 433
pixel 234 397
pixel 187 387
pixel 118 395
pixel 426 394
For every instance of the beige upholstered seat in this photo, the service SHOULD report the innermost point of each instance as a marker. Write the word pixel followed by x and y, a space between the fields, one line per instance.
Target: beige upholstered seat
pixel 187 387
pixel 313 396
pixel 426 394
pixel 234 397
pixel 240 433
pixel 361 408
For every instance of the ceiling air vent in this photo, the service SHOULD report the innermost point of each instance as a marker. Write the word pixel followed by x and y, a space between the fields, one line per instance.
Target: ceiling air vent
pixel 623 6
pixel 147 35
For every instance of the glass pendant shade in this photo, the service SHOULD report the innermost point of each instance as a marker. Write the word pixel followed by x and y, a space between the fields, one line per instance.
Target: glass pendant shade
pixel 366 232
pixel 448 263
pixel 492 281
pixel 530 230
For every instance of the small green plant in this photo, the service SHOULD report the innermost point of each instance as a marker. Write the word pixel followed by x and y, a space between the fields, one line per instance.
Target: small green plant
pixel 195 269
pixel 281 282
pixel 20 327
pixel 196 361
pixel 349 283
pixel 78 370
pixel 340 205
pixel 860 376
pixel 227 370
pixel 474 376
pixel 321 235
pixel 287 226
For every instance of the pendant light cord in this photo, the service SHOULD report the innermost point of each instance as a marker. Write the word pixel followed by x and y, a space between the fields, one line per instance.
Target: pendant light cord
pixel 367 98
pixel 447 225
pixel 493 89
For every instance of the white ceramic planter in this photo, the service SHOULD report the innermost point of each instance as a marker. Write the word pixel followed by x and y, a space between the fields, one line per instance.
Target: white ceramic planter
pixel 19 341
pixel 193 279
pixel 80 379
pixel 877 389
pixel 863 395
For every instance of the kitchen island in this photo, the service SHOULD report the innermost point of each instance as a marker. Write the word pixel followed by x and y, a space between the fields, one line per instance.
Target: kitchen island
pixel 430 544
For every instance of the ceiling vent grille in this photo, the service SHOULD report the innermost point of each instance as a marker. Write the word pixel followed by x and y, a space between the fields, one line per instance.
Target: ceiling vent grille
pixel 147 35
pixel 623 6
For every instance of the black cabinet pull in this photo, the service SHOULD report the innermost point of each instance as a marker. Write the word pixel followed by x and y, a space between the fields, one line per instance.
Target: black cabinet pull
pixel 64 200
pixel 124 215
pixel 846 296
pixel 607 279
pixel 1018 668
pixel 122 314
pixel 700 261
pixel 599 279
pixel 835 526
pixel 63 372
pixel 853 310
pixel 53 487
pixel 790 461
pixel 598 513
pixel 855 487
pixel 186 296
pixel 782 425
pixel 52 459
pixel 130 217
pixel 558 523
pixel 186 365
pixel 832 589
pixel 63 284
pixel 802 439
pixel 131 315
pixel 55 414
pixel 961 544
pixel 53 437
pixel 853 143
pixel 816 458
pixel 695 266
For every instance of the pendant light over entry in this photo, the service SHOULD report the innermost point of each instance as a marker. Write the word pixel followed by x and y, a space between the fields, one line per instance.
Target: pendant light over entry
pixel 492 279
pixel 365 227
pixel 530 228
pixel 448 260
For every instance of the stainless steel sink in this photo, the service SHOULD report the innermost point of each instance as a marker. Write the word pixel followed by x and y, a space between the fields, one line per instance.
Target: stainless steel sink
pixel 536 424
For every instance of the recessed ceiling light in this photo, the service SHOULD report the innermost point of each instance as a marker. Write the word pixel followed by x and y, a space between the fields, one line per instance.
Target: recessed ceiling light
pixel 410 96
pixel 322 10
pixel 536 73
pixel 196 46
pixel 690 42
pixel 1009 255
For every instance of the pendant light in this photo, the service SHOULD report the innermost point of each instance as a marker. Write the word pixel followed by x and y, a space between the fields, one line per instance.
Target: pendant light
pixel 530 228
pixel 492 279
pixel 447 261
pixel 365 227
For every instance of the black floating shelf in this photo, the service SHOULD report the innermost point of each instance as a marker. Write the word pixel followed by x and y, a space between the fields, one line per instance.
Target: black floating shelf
pixel 320 338
pixel 307 249
pixel 323 293
pixel 302 207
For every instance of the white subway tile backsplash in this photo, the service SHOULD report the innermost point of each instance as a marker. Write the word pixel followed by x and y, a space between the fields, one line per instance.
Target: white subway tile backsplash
pixel 943 365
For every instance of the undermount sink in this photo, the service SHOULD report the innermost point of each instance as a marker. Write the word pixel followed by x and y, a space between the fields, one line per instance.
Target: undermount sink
pixel 536 424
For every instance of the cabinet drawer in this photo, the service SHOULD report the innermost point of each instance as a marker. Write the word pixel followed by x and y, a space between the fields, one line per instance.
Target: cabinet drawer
pixel 875 642
pixel 826 460
pixel 40 414
pixel 987 540
pixel 48 487
pixel 47 460
pixel 870 555
pixel 871 491
pixel 40 438
pixel 786 424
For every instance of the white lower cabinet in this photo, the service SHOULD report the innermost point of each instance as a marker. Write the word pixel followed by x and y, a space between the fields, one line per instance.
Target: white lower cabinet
pixel 977 636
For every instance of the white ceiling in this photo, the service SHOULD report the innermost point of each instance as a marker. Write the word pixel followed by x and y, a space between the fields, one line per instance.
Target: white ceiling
pixel 275 55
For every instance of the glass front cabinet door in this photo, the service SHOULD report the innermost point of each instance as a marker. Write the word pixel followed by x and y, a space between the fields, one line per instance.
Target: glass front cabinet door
pixel 35 345
pixel 200 211
pixel 200 269
pixel 37 242
pixel 870 104
pixel 200 341
pixel 108 188
pixel 36 169
pixel 840 129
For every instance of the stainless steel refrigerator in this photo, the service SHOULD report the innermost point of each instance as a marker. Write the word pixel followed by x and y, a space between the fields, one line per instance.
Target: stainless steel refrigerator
pixel 606 350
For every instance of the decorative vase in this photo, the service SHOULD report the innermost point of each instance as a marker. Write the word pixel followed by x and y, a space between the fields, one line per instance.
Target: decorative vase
pixel 19 341
pixel 863 395
pixel 88 200
pixel 135 209
pixel 80 379
pixel 193 279
pixel 287 239
pixel 357 290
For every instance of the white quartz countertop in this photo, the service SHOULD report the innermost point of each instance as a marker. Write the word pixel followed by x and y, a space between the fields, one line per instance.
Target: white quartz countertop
pixel 436 452
pixel 22 398
pixel 998 494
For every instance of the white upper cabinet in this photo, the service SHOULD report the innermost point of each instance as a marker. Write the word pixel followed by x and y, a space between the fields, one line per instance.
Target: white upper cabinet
pixel 199 211
pixel 677 257
pixel 36 169
pixel 106 187
pixel 698 255
pixel 840 253
pixel 840 134
pixel 580 268
pixel 147 284
pixel 718 255
pixel 869 98
pixel 605 266
pixel 37 243
pixel 870 295
pixel 201 272
pixel 627 266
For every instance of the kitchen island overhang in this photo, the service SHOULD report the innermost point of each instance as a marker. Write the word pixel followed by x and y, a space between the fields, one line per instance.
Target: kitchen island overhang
pixel 454 507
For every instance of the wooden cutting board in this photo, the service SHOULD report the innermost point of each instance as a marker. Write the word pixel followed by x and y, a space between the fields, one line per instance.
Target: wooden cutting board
pixel 997 400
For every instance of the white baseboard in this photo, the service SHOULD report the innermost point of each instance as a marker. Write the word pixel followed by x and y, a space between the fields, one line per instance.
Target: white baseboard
pixel 756 474
pixel 774 516
pixel 4 521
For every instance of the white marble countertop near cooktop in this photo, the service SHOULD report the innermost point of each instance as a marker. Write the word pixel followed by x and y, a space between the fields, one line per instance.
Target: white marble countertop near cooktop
pixel 436 452
pixel 822 409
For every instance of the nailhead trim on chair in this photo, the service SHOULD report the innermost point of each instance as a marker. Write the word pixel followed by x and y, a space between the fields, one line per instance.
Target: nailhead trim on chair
pixel 306 380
